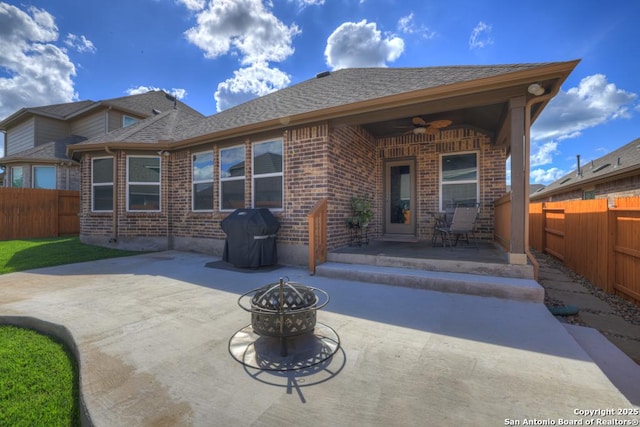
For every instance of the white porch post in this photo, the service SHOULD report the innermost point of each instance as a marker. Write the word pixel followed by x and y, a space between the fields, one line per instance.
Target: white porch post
pixel 519 181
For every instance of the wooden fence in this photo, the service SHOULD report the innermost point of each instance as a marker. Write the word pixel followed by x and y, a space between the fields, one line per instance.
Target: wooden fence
pixel 599 242
pixel 317 220
pixel 27 213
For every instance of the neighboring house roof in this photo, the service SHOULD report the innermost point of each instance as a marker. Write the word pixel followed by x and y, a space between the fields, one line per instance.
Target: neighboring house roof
pixel 623 161
pixel 347 92
pixel 145 105
pixel 50 152
pixel 162 128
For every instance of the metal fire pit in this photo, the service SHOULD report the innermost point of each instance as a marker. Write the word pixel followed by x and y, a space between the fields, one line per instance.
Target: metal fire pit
pixel 283 315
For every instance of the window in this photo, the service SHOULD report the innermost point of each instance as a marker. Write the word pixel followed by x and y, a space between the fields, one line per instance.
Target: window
pixel 459 180
pixel 128 121
pixel 102 184
pixel 44 177
pixel 16 176
pixel 589 195
pixel 232 178
pixel 202 181
pixel 267 175
pixel 143 183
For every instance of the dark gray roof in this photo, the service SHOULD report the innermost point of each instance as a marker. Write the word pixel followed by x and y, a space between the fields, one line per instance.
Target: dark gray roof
pixel 53 151
pixel 344 87
pixel 144 105
pixel 166 126
pixel 622 160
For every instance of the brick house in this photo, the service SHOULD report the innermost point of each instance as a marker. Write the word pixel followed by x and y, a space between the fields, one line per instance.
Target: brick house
pixel 613 175
pixel 36 138
pixel 410 139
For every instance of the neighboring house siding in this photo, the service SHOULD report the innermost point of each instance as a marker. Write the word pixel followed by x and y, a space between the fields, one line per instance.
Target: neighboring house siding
pixel 21 137
pixel 90 126
pixel 68 177
pixel 50 130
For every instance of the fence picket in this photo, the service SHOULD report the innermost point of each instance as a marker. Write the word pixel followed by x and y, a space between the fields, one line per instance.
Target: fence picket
pixel 27 213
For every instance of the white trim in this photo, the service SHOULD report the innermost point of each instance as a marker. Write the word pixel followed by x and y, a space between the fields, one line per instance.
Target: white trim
pixel 33 176
pixel 159 183
pixel 466 181
pixel 266 175
pixel 101 184
pixel 203 181
pixel 232 178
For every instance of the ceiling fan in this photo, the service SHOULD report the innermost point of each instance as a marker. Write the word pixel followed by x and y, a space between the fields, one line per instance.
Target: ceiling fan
pixel 421 126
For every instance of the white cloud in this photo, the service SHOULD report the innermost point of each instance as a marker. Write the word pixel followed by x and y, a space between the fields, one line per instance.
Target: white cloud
pixel 248 83
pixel 242 27
pixel 39 72
pixel 407 25
pixel 542 154
pixel 178 93
pixel 546 176
pixel 361 45
pixel 480 36
pixel 194 5
pixel 80 43
pixel 304 3
pixel 592 103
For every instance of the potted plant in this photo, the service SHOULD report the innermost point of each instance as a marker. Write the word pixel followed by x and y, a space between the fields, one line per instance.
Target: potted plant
pixel 361 211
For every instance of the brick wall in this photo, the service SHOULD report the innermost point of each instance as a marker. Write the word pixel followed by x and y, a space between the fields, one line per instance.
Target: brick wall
pixel 624 187
pixel 319 162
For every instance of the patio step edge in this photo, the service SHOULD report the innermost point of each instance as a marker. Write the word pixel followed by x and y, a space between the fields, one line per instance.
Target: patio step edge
pixel 460 283
pixel 436 265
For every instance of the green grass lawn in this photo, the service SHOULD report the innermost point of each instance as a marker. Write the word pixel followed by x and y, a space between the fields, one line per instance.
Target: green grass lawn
pixel 19 255
pixel 38 380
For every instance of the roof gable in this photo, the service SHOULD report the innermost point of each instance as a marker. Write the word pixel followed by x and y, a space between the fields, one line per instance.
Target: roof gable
pixel 143 105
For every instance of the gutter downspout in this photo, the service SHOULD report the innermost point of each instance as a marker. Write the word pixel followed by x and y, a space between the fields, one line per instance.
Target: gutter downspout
pixel 527 147
pixel 114 215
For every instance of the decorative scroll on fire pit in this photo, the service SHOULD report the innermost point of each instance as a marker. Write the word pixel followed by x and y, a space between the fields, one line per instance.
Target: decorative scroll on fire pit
pixel 284 333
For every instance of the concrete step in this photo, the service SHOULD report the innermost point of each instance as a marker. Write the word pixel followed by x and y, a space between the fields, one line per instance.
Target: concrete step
pixel 460 283
pixel 483 267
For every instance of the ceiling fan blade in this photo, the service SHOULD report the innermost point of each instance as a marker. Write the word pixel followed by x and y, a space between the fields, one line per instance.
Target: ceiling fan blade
pixel 418 121
pixel 439 124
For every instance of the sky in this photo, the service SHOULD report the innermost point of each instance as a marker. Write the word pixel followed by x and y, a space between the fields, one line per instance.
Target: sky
pixel 213 54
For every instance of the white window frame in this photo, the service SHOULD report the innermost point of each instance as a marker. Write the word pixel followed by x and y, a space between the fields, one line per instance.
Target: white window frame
pixel 468 181
pixel 255 176
pixel 101 184
pixel 159 183
pixel 201 181
pixel 12 174
pixel 232 178
pixel 33 176
pixel 124 119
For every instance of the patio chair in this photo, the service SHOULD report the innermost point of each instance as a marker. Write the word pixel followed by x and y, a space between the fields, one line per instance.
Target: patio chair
pixel 462 225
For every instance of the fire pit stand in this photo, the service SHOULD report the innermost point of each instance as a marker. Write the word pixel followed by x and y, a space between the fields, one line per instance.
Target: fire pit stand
pixel 284 333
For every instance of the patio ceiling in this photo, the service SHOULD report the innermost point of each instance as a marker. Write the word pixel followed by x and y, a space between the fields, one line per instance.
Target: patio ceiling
pixel 484 110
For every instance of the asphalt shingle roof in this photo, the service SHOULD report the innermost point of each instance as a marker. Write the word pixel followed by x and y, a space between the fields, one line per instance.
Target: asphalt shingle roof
pixel 344 87
pixel 52 151
pixel 625 158
pixel 145 104
pixel 166 126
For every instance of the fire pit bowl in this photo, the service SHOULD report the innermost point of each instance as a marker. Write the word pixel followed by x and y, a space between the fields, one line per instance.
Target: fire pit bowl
pixel 279 312
pixel 284 309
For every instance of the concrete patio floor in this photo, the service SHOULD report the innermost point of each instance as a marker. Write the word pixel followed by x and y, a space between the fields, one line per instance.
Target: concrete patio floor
pixel 151 333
